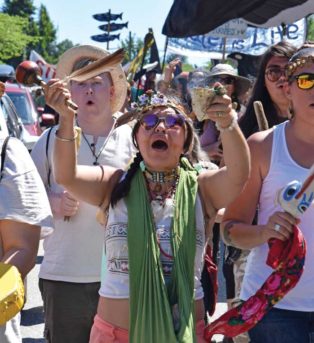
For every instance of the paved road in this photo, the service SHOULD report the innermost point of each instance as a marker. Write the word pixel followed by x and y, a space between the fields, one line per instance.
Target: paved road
pixel 32 315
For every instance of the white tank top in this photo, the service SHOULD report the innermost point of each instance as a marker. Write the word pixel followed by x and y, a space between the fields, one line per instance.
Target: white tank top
pixel 115 284
pixel 282 170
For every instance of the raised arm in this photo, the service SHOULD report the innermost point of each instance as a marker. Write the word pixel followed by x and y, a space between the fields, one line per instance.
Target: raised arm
pixel 236 227
pixel 88 183
pixel 221 186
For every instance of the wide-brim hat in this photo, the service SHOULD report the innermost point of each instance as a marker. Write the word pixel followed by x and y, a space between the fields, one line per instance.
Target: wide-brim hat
pixel 69 58
pixel 242 84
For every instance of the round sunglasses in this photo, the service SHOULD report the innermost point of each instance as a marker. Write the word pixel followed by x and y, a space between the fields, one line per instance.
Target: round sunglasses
pixel 150 121
pixel 304 80
pixel 273 74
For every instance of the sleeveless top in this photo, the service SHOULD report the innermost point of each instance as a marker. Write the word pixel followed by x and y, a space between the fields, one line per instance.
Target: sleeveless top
pixel 283 169
pixel 116 281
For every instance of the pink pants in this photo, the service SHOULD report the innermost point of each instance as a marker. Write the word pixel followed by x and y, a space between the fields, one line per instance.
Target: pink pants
pixel 104 332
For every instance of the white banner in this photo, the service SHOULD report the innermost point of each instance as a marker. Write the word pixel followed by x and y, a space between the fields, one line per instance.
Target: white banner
pixel 48 71
pixel 256 42
pixel 235 28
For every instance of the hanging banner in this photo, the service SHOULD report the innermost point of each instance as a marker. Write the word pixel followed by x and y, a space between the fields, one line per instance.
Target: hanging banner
pixel 255 43
pixel 48 71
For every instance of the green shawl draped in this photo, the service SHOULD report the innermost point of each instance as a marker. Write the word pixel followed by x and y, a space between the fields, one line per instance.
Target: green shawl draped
pixel 150 301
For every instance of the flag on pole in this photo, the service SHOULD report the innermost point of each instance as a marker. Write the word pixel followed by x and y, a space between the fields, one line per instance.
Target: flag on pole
pixel 148 42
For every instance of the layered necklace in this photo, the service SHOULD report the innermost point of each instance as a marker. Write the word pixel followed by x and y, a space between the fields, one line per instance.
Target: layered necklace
pixel 92 146
pixel 158 179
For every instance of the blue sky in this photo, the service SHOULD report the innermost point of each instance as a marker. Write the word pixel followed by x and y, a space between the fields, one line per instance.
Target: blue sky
pixel 75 22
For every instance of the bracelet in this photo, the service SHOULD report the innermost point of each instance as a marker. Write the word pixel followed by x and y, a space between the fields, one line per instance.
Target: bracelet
pixel 66 139
pixel 230 127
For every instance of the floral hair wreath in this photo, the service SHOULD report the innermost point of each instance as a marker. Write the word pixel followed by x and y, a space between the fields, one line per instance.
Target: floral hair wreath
pixel 297 63
pixel 150 100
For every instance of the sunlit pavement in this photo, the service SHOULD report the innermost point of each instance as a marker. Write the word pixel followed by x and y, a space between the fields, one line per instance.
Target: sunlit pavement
pixel 32 324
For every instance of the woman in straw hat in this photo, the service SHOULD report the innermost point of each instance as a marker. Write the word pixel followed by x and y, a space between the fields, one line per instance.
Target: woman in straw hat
pixel 279 155
pixel 155 237
pixel 71 269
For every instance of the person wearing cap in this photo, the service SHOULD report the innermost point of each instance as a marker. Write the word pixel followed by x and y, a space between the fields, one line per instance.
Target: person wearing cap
pixel 280 155
pixel 70 273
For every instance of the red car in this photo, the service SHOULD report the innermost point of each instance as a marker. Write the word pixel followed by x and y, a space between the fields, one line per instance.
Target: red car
pixel 25 107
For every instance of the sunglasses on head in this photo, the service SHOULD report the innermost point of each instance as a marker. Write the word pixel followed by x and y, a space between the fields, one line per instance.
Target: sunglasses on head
pixel 304 80
pixel 150 121
pixel 273 74
pixel 225 80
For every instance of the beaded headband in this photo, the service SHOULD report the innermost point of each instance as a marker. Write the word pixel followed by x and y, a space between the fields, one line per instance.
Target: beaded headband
pixel 297 63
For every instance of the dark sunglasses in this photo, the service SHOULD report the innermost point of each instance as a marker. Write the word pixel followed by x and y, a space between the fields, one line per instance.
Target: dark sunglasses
pixel 304 80
pixel 150 121
pixel 274 74
pixel 225 80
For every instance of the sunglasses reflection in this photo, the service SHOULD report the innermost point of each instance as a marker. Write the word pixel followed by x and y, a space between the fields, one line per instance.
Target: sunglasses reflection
pixel 150 121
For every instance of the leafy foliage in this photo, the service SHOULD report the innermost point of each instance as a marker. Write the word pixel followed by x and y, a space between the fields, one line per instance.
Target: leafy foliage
pixel 13 39
pixel 131 45
pixel 310 28
pixel 21 32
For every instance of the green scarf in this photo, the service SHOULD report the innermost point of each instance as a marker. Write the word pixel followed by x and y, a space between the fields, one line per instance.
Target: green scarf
pixel 150 304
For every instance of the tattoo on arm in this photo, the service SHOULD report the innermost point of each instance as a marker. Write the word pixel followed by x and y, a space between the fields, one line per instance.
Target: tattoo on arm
pixel 226 232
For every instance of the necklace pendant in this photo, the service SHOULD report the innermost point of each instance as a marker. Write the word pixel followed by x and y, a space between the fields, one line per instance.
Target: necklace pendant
pixel 96 163
pixel 157 188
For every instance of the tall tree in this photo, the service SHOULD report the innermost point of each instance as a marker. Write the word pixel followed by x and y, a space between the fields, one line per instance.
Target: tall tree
pixel 13 39
pixel 47 33
pixel 22 8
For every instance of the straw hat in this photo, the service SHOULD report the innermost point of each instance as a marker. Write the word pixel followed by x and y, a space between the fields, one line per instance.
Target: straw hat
pixel 68 59
pixel 242 84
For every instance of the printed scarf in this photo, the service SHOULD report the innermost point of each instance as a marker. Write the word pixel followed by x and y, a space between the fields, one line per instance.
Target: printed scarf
pixel 287 258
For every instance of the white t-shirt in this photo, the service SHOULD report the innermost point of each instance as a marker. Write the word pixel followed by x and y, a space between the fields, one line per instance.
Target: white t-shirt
pixel 116 282
pixel 22 198
pixel 72 253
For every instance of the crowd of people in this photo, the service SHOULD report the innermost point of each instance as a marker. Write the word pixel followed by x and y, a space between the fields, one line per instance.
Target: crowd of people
pixel 141 190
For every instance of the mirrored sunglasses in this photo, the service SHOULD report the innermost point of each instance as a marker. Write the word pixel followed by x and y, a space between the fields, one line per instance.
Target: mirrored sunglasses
pixel 150 121
pixel 304 80
pixel 274 74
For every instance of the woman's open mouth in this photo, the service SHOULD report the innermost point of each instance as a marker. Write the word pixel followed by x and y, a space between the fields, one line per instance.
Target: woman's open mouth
pixel 160 145
pixel 90 102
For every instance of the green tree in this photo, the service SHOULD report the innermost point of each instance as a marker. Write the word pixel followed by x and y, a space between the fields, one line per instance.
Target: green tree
pixel 47 33
pixel 131 45
pixel 310 28
pixel 22 8
pixel 58 49
pixel 13 39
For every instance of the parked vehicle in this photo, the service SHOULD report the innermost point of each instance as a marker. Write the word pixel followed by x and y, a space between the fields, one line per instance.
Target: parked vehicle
pixel 11 124
pixel 25 107
pixel 7 72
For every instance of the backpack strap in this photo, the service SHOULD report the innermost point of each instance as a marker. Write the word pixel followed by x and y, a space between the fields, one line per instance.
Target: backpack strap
pixel 47 149
pixel 3 151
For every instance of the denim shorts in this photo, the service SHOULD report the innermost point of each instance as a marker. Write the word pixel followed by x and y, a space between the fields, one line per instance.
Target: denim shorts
pixel 284 326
